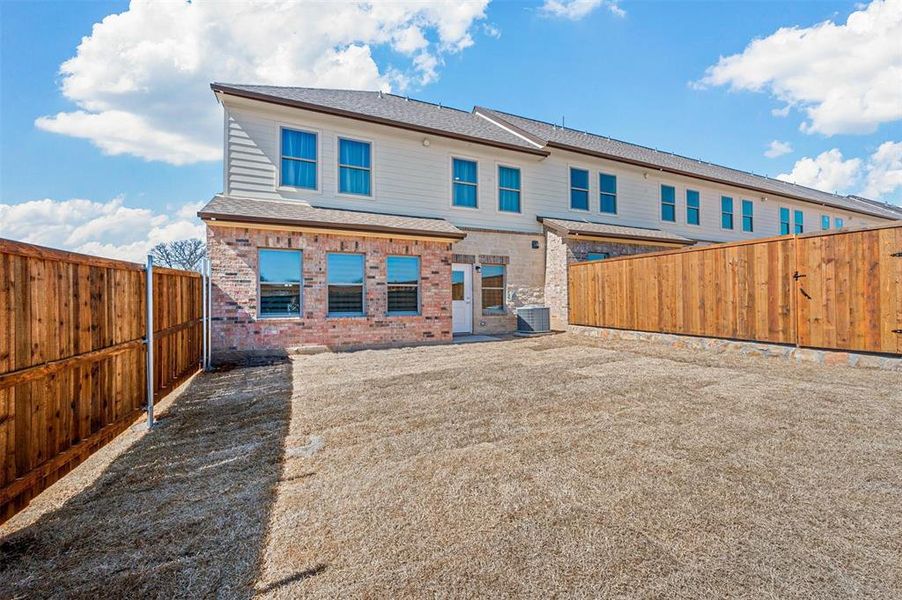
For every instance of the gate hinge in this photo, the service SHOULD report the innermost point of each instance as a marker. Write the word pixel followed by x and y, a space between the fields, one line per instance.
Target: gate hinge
pixel 897 254
pixel 896 330
pixel 797 275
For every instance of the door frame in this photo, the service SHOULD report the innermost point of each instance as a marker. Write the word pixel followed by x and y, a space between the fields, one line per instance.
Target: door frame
pixel 467 270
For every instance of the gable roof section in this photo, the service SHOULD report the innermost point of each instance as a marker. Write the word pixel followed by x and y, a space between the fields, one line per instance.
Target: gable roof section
pixel 595 228
pixel 296 214
pixel 603 147
pixel 512 132
pixel 387 109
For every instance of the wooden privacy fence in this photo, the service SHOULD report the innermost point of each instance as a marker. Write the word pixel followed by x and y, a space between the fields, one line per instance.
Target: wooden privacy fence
pixel 72 357
pixel 836 290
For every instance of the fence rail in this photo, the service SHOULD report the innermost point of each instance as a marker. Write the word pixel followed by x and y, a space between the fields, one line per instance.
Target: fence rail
pixel 72 357
pixel 837 290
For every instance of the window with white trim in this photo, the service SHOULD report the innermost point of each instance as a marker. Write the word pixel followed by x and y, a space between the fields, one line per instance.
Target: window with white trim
pixel 279 275
pixel 344 278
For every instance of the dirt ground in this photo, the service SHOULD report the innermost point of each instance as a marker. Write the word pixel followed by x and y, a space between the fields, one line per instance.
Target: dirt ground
pixel 552 466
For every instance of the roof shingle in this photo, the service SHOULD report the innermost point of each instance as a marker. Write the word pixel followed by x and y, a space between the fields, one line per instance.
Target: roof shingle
pixel 388 109
pixel 569 227
pixel 287 212
pixel 617 150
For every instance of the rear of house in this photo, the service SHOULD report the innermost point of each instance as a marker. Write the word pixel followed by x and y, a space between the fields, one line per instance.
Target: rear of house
pixel 362 219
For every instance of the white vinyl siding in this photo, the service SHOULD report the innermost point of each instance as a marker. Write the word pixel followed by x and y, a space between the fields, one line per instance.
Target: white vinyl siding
pixel 412 179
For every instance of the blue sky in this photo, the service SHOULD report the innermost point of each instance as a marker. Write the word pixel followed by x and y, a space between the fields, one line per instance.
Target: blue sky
pixel 637 71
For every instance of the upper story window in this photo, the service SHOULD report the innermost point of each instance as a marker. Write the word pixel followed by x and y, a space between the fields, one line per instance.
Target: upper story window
pixel 748 216
pixel 825 222
pixel 668 203
pixel 798 221
pixel 492 288
pixel 354 167
pixel 579 189
pixel 838 222
pixel 726 212
pixel 279 273
pixel 403 284
pixel 509 189
pixel 693 207
pixel 298 159
pixel 607 185
pixel 784 221
pixel 344 276
pixel 464 183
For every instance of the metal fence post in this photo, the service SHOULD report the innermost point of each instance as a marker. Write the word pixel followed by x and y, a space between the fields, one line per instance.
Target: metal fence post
pixel 148 340
pixel 209 313
pixel 205 316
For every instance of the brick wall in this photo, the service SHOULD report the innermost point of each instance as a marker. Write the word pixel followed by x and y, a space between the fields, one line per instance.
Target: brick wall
pixel 560 252
pixel 236 328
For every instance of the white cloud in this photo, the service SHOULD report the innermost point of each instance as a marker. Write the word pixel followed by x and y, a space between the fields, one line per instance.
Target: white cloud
pixel 577 9
pixel 879 176
pixel 828 172
pixel 108 229
pixel 140 80
pixel 777 148
pixel 884 171
pixel 844 77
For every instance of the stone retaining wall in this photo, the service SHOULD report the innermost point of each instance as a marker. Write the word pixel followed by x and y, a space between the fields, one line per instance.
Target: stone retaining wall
pixel 823 357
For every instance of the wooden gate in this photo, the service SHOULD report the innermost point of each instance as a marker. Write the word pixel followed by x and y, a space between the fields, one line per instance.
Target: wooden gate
pixel 850 290
pixel 836 290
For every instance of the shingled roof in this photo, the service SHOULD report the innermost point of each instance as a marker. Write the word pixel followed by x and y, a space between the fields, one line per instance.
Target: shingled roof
pixel 595 228
pixel 293 213
pixel 387 109
pixel 513 132
pixel 583 142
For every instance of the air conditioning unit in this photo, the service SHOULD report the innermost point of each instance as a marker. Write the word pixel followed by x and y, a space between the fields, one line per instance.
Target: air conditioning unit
pixel 533 319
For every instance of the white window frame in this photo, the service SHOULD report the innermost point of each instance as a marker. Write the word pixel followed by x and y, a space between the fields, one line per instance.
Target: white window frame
pixel 493 312
pixel 419 311
pixel 696 208
pixel 732 212
pixel 319 159
pixel 676 213
pixel 300 284
pixel 451 158
pixel 789 228
pixel 498 189
pixel 603 193
pixel 338 166
pixel 742 202
pixel 363 303
pixel 588 189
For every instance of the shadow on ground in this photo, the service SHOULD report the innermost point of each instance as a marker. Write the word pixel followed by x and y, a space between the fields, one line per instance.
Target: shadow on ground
pixel 181 512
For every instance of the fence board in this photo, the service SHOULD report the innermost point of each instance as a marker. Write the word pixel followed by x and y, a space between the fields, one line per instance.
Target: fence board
pixel 72 357
pixel 849 296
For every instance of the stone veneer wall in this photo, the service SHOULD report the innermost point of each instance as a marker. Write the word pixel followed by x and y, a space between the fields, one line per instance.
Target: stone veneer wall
pixel 236 329
pixel 524 273
pixel 560 252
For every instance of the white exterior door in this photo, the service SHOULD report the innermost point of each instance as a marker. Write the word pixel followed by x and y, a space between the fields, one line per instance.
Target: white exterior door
pixel 461 298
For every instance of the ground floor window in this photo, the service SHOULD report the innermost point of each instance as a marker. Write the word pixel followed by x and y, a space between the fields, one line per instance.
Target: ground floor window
pixel 403 285
pixel 280 282
pixel 493 288
pixel 597 255
pixel 344 274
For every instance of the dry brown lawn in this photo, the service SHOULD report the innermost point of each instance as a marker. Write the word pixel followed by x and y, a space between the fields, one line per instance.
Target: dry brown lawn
pixel 550 466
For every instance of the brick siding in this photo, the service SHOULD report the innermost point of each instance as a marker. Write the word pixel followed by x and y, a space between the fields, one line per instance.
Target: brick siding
pixel 236 328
